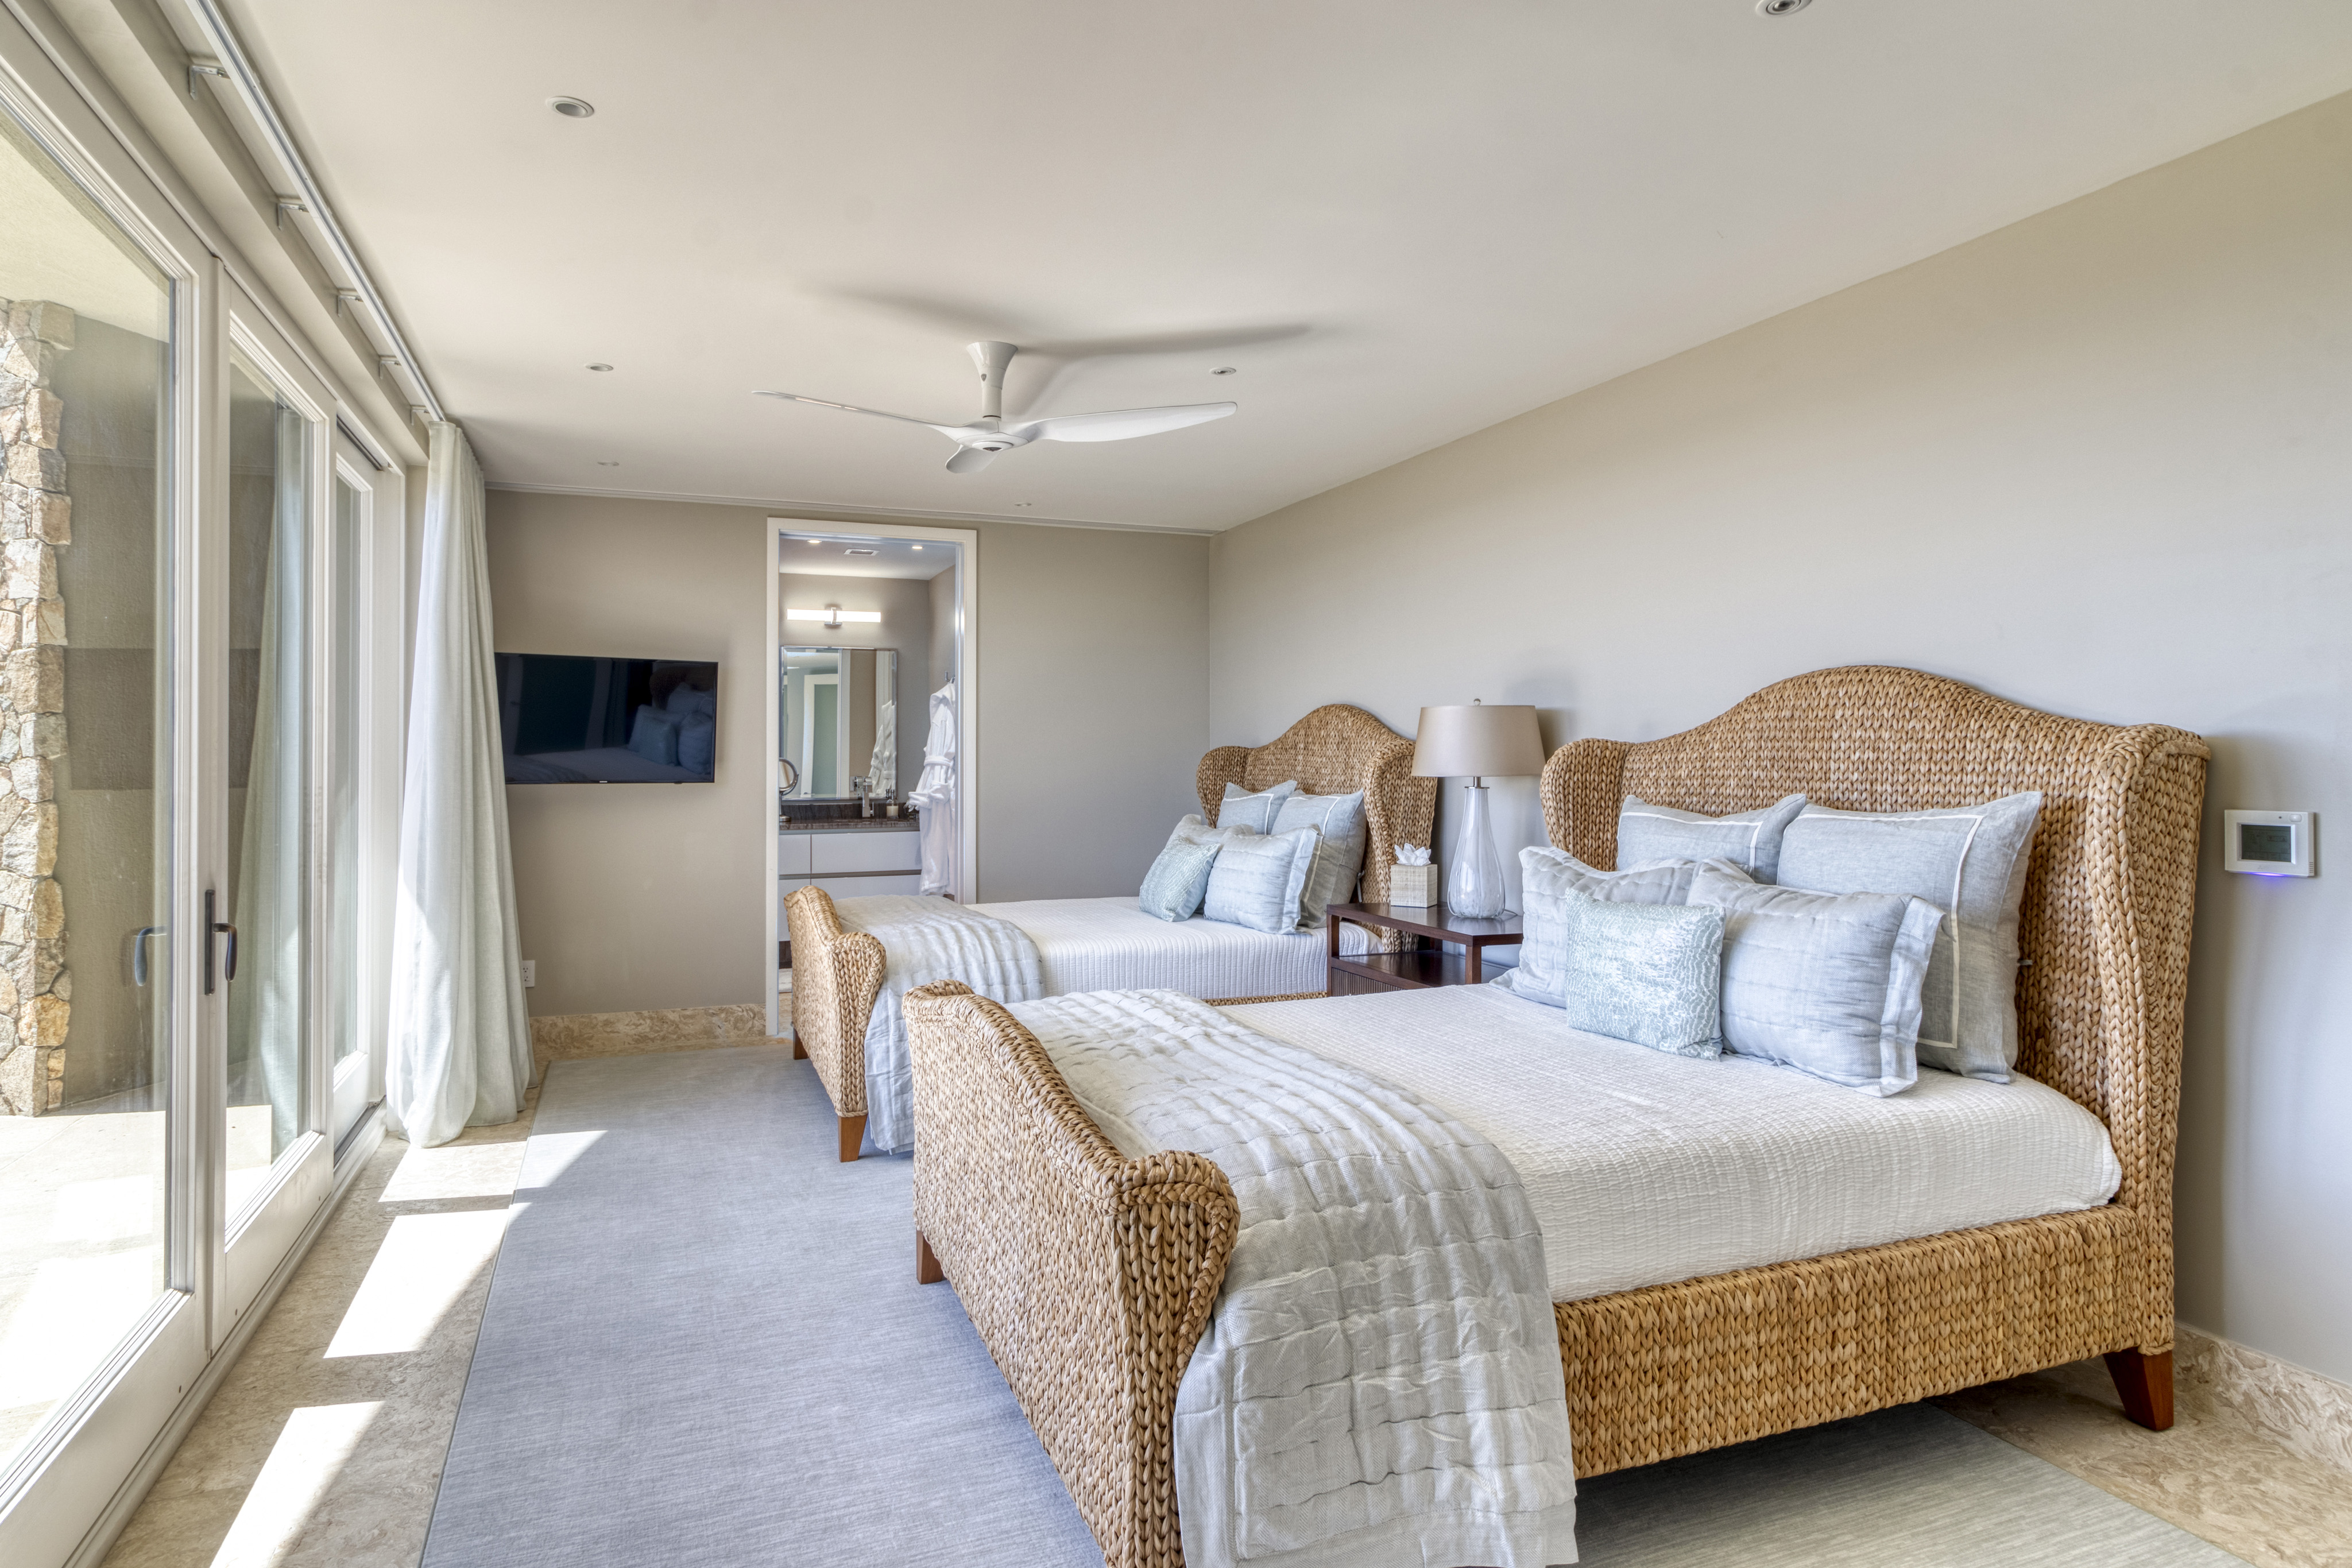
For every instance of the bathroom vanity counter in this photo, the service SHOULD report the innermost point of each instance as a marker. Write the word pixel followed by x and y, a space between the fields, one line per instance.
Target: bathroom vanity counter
pixel 849 857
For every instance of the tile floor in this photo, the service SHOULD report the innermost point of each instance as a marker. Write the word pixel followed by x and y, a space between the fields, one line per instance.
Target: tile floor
pixel 325 1443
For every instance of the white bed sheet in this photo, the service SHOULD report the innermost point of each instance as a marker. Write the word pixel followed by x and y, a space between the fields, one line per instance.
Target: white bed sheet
pixel 1111 944
pixel 1646 1168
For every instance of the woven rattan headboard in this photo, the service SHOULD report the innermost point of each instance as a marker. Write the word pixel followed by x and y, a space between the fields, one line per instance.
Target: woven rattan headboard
pixel 2108 896
pixel 1331 751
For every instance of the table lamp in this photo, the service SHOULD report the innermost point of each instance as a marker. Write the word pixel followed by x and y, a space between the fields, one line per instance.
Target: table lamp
pixel 1478 742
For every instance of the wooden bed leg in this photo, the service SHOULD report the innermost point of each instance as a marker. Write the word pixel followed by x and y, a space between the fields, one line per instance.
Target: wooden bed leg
pixel 853 1132
pixel 927 1267
pixel 2145 1384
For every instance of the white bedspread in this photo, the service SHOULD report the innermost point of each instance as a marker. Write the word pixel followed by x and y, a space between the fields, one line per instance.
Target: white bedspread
pixel 1379 1384
pixel 1109 944
pixel 1646 1168
pixel 927 939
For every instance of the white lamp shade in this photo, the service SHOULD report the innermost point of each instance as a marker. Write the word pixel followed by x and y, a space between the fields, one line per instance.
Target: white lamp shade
pixel 1477 741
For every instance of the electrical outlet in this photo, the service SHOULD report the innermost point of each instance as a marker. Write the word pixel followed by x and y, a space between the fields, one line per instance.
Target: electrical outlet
pixel 529 973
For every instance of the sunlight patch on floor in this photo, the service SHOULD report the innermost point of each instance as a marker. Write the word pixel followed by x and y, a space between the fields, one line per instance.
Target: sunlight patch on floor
pixel 423 1266
pixel 317 1442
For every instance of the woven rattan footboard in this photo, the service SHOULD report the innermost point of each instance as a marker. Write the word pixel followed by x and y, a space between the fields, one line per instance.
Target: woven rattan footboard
pixel 836 975
pixel 1043 1229
pixel 1088 1275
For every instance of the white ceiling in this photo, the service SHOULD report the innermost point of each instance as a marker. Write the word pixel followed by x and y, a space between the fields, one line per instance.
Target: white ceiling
pixel 817 555
pixel 1402 221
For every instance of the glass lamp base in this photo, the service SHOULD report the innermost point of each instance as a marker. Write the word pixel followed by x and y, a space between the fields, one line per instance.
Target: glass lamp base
pixel 1475 888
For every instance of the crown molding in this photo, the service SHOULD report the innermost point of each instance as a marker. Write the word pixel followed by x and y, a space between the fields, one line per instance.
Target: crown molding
pixel 846 514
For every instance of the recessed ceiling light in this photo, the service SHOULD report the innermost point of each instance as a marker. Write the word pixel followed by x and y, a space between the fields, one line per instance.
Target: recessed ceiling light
pixel 815 541
pixel 1780 7
pixel 1226 370
pixel 918 547
pixel 571 108
pixel 1025 502
pixel 601 463
pixel 600 367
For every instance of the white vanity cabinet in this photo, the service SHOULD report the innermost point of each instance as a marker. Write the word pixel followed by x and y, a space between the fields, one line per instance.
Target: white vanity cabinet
pixel 851 863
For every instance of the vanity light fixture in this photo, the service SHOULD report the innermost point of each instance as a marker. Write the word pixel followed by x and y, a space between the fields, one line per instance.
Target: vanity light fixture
pixel 834 616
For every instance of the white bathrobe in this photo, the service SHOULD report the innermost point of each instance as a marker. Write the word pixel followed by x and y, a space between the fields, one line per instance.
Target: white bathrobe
pixel 934 795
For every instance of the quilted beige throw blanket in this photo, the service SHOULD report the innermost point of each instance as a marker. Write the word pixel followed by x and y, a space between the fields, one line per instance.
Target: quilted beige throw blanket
pixel 1380 1384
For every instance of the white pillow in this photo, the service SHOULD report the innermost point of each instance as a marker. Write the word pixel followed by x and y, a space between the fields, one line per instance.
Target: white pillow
pixel 653 735
pixel 1340 858
pixel 1255 812
pixel 1969 861
pixel 1826 983
pixel 1749 839
pixel 1257 880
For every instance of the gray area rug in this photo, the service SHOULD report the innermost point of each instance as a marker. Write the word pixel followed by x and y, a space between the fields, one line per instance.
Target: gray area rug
pixel 705 1345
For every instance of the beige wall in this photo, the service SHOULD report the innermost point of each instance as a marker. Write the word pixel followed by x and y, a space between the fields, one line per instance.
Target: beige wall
pixel 1093 713
pixel 2098 462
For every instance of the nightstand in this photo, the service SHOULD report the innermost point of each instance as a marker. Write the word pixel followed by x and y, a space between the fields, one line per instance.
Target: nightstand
pixel 1360 973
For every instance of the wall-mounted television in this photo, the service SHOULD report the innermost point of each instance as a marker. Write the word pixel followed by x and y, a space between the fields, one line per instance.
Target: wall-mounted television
pixel 569 720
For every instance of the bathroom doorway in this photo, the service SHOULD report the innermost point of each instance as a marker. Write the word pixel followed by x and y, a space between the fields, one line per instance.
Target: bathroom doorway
pixel 872 726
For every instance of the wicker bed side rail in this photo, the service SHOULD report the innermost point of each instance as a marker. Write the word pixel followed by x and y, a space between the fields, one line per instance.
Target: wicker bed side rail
pixel 1089 1276
pixel 836 975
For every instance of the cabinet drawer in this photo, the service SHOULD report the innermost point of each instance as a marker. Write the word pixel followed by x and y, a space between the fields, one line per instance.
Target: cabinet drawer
pixel 793 854
pixel 865 852
pixel 867 886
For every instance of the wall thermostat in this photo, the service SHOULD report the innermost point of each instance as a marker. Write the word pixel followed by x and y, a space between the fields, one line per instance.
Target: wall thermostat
pixel 2269 844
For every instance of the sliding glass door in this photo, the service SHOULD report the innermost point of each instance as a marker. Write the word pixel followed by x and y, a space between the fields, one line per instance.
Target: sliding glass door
pixel 200 587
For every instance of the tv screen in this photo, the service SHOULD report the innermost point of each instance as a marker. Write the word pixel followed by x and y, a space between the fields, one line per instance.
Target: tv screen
pixel 570 720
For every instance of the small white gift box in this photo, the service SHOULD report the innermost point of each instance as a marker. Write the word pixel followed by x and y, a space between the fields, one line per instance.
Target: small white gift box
pixel 1415 885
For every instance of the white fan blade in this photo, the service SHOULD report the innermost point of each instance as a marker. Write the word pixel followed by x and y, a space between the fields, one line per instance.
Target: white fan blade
pixel 947 430
pixel 970 460
pixel 1122 424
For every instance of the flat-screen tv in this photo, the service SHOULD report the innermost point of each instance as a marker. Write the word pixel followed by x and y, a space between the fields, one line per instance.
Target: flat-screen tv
pixel 570 720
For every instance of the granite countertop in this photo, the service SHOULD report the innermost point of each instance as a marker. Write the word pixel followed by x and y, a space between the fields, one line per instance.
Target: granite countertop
pixel 848 825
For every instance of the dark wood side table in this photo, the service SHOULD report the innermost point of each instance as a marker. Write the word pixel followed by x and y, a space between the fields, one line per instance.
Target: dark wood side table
pixel 1360 974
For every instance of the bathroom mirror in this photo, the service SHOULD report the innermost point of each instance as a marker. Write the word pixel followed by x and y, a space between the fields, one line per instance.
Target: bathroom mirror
pixel 837 720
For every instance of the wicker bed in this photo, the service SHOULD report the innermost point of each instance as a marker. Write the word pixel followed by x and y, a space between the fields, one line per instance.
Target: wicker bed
pixel 1089 1275
pixel 837 974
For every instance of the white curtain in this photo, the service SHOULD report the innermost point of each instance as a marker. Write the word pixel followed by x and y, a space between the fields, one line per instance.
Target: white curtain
pixel 265 1005
pixel 460 1046
pixel 934 795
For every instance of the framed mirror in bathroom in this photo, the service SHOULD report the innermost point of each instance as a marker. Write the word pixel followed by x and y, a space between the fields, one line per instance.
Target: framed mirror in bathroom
pixel 837 723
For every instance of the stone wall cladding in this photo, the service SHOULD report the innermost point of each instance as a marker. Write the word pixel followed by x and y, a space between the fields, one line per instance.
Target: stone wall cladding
pixel 35 522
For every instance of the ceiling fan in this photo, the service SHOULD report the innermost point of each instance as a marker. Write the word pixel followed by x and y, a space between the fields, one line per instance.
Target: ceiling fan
pixel 984 437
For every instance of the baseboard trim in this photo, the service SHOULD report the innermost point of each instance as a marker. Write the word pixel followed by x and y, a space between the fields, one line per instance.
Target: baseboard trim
pixel 359 1147
pixel 2302 1411
pixel 563 1037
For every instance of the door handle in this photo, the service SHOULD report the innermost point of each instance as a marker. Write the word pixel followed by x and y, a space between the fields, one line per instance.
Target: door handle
pixel 139 953
pixel 214 927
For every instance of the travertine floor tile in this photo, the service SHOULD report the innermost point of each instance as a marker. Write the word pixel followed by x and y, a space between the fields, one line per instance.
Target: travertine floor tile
pixel 348 1447
pixel 2210 1474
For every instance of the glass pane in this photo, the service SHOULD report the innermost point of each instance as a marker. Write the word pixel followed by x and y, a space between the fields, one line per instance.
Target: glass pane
pixel 339 1004
pixel 85 964
pixel 268 550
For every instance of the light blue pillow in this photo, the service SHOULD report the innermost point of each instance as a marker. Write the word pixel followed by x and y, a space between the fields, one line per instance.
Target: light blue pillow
pixel 1826 983
pixel 1257 880
pixel 1546 876
pixel 1255 812
pixel 1969 861
pixel 1173 887
pixel 1749 839
pixel 1648 973
pixel 1339 859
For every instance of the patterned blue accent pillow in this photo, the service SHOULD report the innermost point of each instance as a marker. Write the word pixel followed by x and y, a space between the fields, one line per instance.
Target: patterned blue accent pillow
pixel 1173 886
pixel 1648 973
